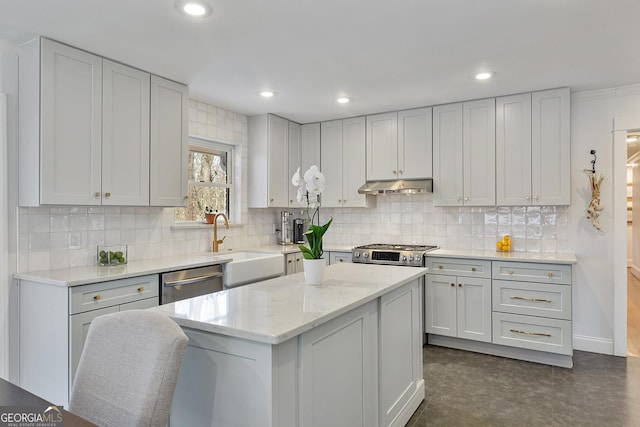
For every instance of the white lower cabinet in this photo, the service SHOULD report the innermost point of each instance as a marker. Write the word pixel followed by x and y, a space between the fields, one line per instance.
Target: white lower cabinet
pixel 517 309
pixel 54 322
pixel 400 353
pixel 363 368
pixel 532 306
pixel 293 263
pixel 338 257
pixel 458 305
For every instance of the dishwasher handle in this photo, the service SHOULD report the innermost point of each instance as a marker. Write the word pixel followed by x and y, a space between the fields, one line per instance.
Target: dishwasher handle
pixel 191 280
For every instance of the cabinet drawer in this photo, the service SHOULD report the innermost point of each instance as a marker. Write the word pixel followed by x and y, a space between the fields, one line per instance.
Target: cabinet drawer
pixel 533 299
pixel 533 333
pixel 459 267
pixel 105 294
pixel 532 272
pixel 338 257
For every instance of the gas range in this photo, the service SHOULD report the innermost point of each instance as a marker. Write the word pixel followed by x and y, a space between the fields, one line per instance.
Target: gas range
pixel 379 253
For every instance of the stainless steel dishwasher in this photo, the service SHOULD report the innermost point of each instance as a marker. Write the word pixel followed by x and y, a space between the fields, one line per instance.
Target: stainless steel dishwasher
pixel 183 284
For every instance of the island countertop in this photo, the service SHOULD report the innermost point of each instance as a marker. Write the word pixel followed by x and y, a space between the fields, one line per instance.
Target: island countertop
pixel 276 310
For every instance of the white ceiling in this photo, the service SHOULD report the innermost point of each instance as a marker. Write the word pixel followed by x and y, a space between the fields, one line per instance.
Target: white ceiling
pixel 385 55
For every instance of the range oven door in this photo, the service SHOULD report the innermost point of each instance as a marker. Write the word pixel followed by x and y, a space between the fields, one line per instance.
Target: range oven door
pixel 183 284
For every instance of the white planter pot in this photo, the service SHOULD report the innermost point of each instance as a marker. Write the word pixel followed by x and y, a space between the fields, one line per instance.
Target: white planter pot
pixel 313 271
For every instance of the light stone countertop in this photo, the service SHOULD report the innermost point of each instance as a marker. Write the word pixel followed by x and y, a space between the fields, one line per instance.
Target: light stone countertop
pixel 278 309
pixel 75 276
pixel 505 256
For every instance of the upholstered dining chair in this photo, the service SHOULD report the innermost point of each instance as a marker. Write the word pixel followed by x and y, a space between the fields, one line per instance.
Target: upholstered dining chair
pixel 128 369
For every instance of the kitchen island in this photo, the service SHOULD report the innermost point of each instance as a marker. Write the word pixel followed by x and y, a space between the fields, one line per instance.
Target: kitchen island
pixel 282 353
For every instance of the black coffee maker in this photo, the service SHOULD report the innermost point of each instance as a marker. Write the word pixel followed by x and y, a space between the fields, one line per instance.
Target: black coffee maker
pixel 298 230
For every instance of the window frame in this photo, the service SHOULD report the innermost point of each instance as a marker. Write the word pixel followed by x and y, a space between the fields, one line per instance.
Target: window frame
pixel 213 146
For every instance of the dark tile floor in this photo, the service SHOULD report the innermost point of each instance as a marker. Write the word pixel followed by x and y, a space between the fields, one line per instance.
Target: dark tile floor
pixel 470 389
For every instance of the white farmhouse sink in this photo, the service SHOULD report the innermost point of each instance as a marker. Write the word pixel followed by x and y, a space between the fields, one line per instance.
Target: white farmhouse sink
pixel 250 267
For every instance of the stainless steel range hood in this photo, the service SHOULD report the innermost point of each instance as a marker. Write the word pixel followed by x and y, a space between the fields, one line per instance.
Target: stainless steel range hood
pixel 402 186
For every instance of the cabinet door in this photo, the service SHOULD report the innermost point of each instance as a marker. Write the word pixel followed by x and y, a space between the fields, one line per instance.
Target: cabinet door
pixel 340 355
pixel 550 146
pixel 513 150
pixel 125 135
pixel 169 143
pixel 310 146
pixel 474 309
pixel 447 155
pixel 400 363
pixel 415 143
pixel 353 163
pixel 331 163
pixel 479 152
pixel 277 162
pixel 71 118
pixel 79 324
pixel 382 147
pixel 293 155
pixel 440 305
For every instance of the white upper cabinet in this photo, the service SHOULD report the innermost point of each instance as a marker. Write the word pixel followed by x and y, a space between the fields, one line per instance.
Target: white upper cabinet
pixel 70 126
pixel 294 154
pixel 169 142
pixel 447 155
pixel 399 145
pixel 270 168
pixel 382 147
pixel 125 135
pixel 479 152
pixel 550 147
pixel 343 163
pixel 533 148
pixel 464 154
pixel 415 143
pixel 310 146
pixel 87 131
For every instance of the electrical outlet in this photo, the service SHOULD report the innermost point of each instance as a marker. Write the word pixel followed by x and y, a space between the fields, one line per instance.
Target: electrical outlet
pixel 74 241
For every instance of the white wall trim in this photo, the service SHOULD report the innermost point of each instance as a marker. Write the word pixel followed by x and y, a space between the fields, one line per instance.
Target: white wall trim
pixel 4 242
pixel 635 271
pixel 593 344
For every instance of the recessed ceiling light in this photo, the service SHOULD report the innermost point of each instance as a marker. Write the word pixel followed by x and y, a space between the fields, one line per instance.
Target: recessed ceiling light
pixel 193 8
pixel 633 138
pixel 342 100
pixel 484 76
pixel 267 93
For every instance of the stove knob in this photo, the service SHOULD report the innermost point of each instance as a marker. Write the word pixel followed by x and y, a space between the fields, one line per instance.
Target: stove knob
pixel 366 255
pixel 417 258
pixel 410 257
pixel 356 254
pixel 404 257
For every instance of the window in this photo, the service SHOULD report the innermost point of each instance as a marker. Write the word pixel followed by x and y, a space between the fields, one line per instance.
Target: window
pixel 210 175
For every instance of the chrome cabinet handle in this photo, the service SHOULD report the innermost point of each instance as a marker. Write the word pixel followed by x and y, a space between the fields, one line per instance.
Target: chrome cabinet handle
pixel 537 334
pixel 530 299
pixel 192 280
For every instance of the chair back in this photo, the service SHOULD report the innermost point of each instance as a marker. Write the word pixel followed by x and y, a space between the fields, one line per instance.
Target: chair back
pixel 128 369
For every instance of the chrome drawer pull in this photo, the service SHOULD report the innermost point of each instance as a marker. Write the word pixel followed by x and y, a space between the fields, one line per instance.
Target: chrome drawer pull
pixel 537 334
pixel 192 280
pixel 530 299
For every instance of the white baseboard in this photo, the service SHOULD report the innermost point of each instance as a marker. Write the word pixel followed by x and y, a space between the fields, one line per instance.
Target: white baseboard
pixel 635 271
pixel 593 344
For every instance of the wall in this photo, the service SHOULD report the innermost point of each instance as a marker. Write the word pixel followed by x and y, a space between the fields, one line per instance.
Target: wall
pixel 592 115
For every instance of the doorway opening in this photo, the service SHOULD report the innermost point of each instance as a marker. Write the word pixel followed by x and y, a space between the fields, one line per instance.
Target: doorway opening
pixel 633 243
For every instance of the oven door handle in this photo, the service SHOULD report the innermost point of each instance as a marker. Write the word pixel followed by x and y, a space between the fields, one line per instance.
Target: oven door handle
pixel 192 280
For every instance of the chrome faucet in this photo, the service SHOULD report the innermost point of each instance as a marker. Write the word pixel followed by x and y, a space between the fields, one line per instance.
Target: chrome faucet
pixel 216 242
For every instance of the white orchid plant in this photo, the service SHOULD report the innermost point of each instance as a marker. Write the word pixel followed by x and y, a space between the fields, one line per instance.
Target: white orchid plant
pixel 310 187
